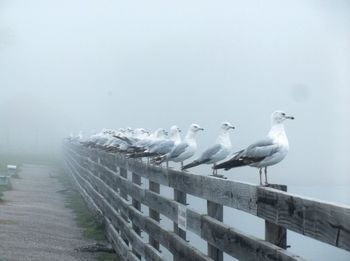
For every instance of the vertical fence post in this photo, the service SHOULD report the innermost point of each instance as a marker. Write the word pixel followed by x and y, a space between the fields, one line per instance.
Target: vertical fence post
pixel 275 234
pixel 216 211
pixel 136 204
pixel 155 187
pixel 124 195
pixel 180 197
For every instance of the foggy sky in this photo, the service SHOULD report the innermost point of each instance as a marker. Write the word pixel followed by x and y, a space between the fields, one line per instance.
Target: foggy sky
pixel 86 64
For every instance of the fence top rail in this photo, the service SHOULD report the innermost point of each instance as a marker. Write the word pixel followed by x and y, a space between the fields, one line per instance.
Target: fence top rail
pixel 323 221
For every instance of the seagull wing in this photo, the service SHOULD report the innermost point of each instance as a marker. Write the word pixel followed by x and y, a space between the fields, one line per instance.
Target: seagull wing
pixel 261 149
pixel 256 152
pixel 164 148
pixel 210 153
pixel 178 150
pixel 206 156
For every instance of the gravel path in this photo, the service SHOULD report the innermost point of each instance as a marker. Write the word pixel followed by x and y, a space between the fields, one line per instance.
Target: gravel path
pixel 35 224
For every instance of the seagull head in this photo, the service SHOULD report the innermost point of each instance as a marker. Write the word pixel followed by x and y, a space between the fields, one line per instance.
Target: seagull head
pixel 195 127
pixel 106 131
pixel 227 126
pixel 144 132
pixel 173 130
pixel 279 117
pixel 160 133
pixel 175 134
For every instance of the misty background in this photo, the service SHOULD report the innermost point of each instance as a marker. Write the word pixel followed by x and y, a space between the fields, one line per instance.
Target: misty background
pixel 74 65
pixel 83 65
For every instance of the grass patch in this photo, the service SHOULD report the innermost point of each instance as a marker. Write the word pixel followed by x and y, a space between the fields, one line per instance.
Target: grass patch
pixel 16 175
pixel 4 188
pixel 108 257
pixel 8 222
pixel 74 201
pixel 91 228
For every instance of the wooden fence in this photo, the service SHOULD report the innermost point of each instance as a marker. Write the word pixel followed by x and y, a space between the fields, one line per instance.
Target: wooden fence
pixel 102 179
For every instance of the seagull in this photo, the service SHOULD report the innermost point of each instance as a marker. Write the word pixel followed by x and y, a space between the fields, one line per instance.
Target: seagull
pixel 265 152
pixel 97 139
pixel 138 142
pixel 219 151
pixel 161 147
pixel 183 150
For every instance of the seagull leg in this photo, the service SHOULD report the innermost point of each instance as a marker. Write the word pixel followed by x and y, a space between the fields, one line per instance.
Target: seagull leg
pixel 215 173
pixel 182 164
pixel 260 172
pixel 167 164
pixel 265 171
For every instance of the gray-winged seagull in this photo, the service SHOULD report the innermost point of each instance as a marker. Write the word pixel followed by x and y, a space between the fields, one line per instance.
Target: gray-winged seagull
pixel 265 152
pixel 219 151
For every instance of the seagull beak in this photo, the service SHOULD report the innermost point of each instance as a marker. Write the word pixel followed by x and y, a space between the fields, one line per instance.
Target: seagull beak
pixel 201 129
pixel 232 127
pixel 290 117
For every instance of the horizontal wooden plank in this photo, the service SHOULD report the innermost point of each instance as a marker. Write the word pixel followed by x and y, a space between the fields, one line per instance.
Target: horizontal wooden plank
pixel 240 245
pixel 93 208
pixel 115 218
pixel 196 222
pixel 230 193
pixel 322 221
pixel 167 238
pixel 118 244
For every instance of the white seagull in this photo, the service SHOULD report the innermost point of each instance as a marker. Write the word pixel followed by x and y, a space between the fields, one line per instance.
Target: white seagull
pixel 183 150
pixel 265 152
pixel 219 151
pixel 162 146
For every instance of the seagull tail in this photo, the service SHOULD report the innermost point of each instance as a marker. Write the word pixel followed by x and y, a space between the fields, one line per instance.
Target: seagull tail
pixel 191 165
pixel 159 159
pixel 142 154
pixel 232 163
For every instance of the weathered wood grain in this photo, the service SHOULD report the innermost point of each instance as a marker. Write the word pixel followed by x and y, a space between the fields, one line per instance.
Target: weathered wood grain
pixel 276 234
pixel 180 197
pixel 169 239
pixel 136 179
pixel 240 245
pixel 118 221
pixel 117 243
pixel 154 214
pixel 195 223
pixel 124 193
pixel 215 211
pixel 93 208
pixel 322 221
pixel 229 193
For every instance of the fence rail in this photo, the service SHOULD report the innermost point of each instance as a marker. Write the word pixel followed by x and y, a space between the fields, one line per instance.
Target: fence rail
pixel 102 179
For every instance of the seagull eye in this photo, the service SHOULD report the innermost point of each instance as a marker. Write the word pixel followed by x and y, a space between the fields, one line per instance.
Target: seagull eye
pixel 283 114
